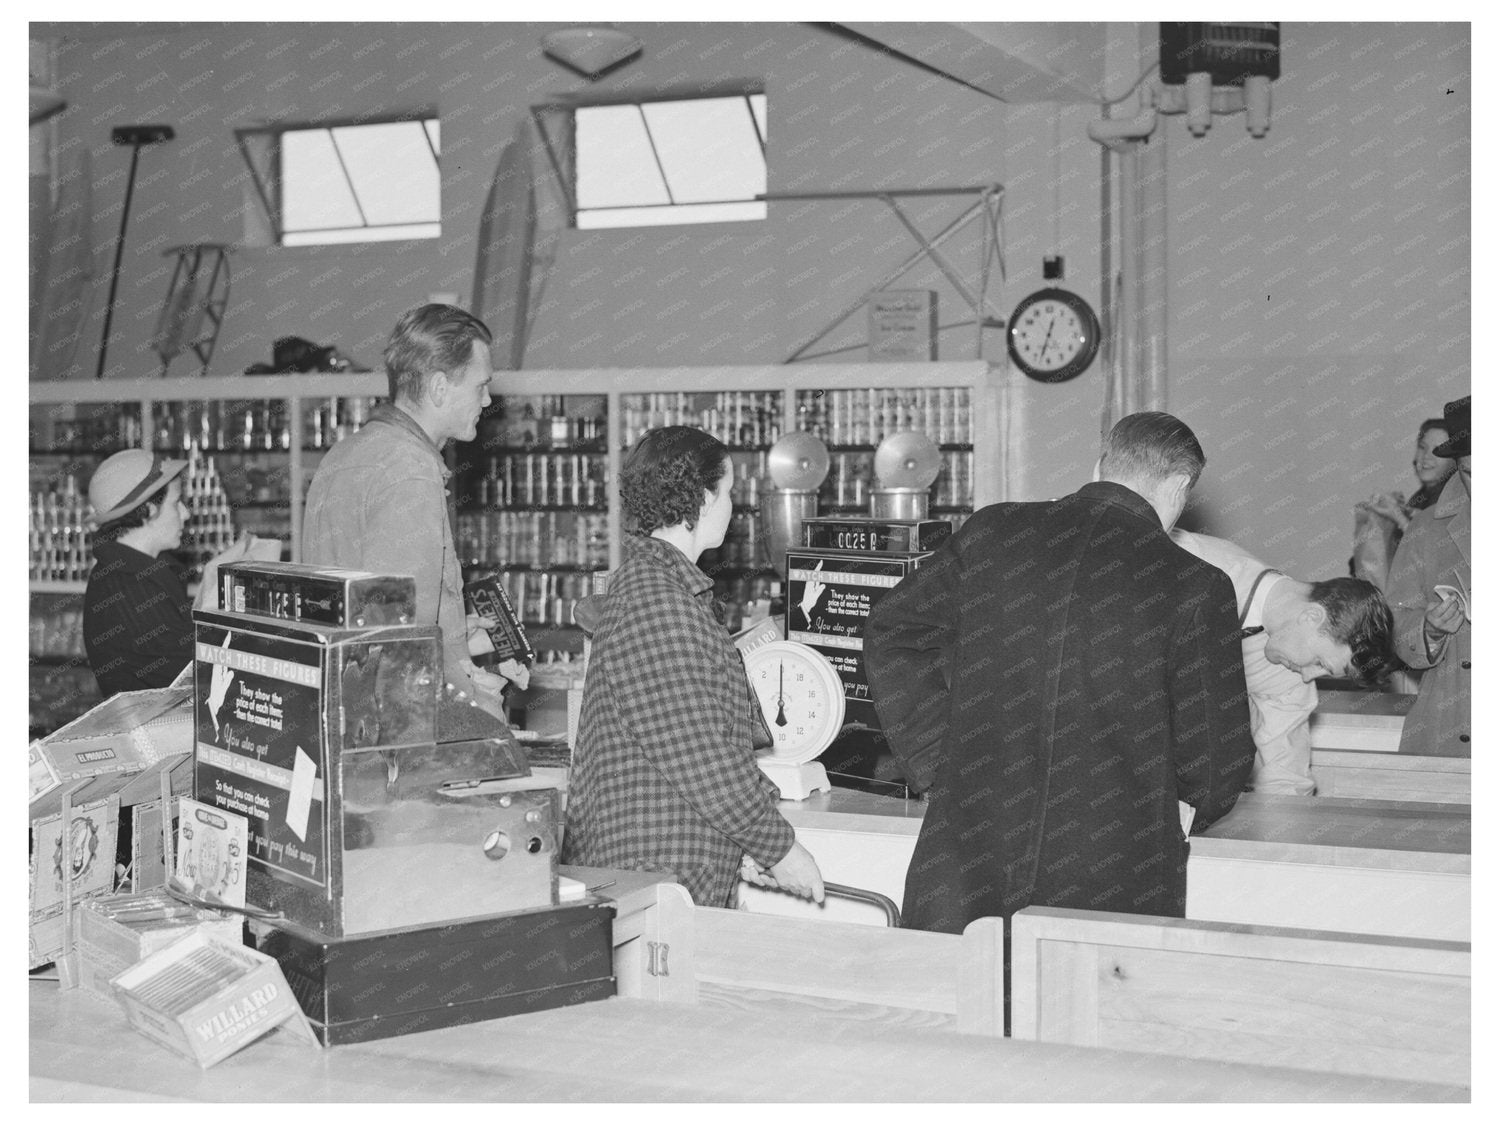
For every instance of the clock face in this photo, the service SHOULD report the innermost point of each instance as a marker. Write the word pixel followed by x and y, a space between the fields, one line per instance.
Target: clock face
pixel 1053 335
pixel 801 697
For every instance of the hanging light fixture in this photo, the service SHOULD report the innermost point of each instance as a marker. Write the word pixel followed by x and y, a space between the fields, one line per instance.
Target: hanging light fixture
pixel 591 50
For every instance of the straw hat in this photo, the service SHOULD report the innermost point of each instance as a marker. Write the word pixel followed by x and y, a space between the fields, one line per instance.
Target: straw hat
pixel 127 479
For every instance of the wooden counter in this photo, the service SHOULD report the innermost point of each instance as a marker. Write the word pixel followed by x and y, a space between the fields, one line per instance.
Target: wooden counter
pixel 1365 866
pixel 82 1049
pixel 1359 720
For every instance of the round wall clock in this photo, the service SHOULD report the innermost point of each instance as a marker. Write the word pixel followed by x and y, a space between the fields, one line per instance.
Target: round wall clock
pixel 1053 335
pixel 801 697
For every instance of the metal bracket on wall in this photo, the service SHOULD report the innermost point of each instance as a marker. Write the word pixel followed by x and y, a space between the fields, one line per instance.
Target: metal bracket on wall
pixel 991 253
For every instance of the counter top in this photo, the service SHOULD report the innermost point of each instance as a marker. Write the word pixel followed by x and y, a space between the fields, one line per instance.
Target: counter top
pixel 1372 703
pixel 621 1050
pixel 1343 832
pixel 1340 831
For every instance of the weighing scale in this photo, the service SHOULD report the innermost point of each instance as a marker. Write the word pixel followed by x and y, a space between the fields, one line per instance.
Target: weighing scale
pixel 802 699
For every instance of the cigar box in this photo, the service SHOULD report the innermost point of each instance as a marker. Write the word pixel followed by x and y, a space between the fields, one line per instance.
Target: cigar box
pixel 117 931
pixel 205 998
pixel 80 853
pixel 347 599
pixel 105 808
pixel 373 986
pixel 125 733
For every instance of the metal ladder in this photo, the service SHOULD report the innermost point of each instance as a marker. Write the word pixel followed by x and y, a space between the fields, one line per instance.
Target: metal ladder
pixel 197 297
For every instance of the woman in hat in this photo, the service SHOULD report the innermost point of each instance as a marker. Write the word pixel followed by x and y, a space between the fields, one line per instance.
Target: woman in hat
pixel 1430 591
pixel 136 626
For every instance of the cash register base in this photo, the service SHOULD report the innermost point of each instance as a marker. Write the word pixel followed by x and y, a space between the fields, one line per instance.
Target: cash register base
pixel 393 982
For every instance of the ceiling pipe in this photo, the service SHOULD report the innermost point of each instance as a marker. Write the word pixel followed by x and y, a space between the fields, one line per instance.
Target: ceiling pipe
pixel 1117 134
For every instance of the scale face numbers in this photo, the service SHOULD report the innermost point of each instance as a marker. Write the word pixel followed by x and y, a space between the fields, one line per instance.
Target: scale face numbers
pixel 801 697
pixel 1053 335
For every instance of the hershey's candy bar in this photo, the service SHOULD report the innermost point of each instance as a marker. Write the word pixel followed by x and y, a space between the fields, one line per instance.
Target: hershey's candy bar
pixel 487 597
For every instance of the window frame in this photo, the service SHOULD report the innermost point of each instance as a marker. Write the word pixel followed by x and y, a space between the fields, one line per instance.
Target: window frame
pixel 560 143
pixel 268 181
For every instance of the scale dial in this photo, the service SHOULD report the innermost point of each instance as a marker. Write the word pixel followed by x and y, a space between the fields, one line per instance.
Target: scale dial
pixel 1054 335
pixel 801 697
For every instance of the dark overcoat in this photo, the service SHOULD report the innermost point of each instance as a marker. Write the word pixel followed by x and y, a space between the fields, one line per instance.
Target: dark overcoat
pixel 1060 674
pixel 1434 552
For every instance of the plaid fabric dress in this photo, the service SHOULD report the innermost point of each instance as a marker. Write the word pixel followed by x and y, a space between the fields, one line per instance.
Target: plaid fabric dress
pixel 664 778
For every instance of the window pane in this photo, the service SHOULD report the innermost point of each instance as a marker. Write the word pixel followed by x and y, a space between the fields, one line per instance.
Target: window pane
pixel 360 183
pixel 393 171
pixel 708 148
pixel 315 192
pixel 615 165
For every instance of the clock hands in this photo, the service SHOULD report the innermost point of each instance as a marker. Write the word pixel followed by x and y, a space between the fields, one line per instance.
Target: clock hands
pixel 1047 339
pixel 781 695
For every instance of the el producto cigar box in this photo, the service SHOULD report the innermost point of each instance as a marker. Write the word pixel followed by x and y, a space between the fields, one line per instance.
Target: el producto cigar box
pixel 373 986
pixel 360 819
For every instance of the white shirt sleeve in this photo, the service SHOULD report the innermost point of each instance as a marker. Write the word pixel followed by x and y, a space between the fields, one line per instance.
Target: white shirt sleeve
pixel 1280 707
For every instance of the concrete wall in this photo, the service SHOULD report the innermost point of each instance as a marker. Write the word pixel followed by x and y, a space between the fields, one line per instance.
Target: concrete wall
pixel 1351 216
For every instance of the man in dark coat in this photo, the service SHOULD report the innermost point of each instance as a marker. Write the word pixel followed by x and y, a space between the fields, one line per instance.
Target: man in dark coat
pixel 1061 675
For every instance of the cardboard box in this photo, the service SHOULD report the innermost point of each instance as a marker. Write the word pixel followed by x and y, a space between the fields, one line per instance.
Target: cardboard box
pixel 205 998
pixel 111 940
pixel 126 733
pixel 100 805
pixel 82 852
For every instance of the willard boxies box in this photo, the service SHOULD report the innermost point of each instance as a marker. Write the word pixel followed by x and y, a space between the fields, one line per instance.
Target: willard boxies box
pixel 206 999
pixel 398 981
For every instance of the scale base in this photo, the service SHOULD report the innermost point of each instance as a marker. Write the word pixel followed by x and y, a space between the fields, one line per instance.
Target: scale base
pixel 796 781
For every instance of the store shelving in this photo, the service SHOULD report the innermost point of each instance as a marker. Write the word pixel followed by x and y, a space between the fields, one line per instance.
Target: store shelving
pixel 563 433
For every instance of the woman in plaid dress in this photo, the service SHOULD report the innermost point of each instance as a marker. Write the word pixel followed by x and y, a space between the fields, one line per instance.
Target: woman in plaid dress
pixel 664 776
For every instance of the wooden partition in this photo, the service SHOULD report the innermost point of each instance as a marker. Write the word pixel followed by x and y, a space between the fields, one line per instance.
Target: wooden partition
pixel 1343 1003
pixel 1359 720
pixel 902 977
pixel 1381 776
